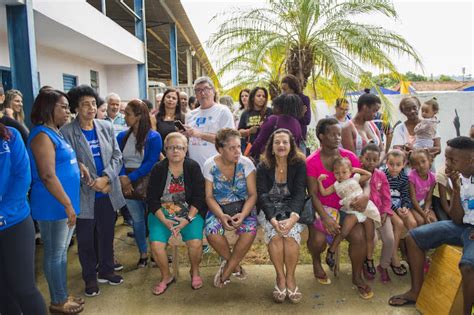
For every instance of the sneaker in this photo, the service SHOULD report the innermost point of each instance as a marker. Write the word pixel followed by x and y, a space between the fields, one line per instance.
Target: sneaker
pixel 384 276
pixel 117 266
pixel 92 289
pixel 111 279
pixel 142 262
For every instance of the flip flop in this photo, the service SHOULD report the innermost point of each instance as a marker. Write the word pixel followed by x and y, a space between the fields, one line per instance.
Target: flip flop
pixel 404 301
pixel 323 280
pixel 196 282
pixel 76 299
pixel 161 287
pixel 365 292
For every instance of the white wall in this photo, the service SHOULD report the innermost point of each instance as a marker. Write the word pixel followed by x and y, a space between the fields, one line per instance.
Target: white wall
pixel 4 54
pixel 123 80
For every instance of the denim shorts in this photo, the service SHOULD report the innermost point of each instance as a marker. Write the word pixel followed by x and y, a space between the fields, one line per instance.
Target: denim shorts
pixel 446 232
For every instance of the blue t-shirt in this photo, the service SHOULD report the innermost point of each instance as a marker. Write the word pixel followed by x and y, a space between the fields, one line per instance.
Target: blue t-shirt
pixel 93 140
pixel 15 179
pixel 44 206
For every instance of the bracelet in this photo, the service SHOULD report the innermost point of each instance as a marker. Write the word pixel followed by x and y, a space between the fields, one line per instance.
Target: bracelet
pixel 296 214
pixel 189 218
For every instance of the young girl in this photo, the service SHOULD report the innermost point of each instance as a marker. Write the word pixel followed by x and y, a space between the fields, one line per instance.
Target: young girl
pixel 391 227
pixel 425 130
pixel 401 204
pixel 347 188
pixel 422 182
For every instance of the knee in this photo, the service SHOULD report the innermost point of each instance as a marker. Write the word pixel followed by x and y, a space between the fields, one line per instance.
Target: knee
pixel 194 244
pixel 357 235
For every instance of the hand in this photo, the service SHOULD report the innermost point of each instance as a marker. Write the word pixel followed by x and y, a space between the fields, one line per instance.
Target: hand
pixel 287 225
pixel 126 184
pixel 331 226
pixel 237 220
pixel 359 203
pixel 383 217
pixel 178 228
pixel 10 113
pixel 191 132
pixel 455 180
pixel 85 175
pixel 253 130
pixel 226 222
pixel 322 177
pixel 276 225
pixel 100 183
pixel 402 212
pixel 71 216
pixel 408 147
pixel 170 224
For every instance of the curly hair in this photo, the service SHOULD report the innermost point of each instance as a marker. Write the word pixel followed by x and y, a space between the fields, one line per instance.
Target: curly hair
pixel 294 156
pixel 223 135
pixel 44 105
pixel 293 83
pixel 77 93
pixel 288 104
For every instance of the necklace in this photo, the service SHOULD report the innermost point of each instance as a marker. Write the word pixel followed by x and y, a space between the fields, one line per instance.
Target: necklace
pixel 56 131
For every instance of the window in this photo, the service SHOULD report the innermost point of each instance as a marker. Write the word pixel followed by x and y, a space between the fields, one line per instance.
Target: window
pixel 95 80
pixel 69 81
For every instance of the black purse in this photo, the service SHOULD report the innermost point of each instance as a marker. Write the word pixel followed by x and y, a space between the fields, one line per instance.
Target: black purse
pixel 235 207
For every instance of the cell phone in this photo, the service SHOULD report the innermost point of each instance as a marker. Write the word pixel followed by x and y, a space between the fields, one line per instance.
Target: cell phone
pixel 178 124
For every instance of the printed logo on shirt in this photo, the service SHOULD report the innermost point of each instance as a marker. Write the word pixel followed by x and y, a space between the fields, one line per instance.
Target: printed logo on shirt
pixel 5 147
pixel 73 161
pixel 200 121
pixel 95 147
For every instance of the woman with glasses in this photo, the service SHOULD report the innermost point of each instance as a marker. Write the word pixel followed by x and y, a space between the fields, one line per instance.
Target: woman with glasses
pixel 176 206
pixel 342 111
pixel 231 195
pixel 141 147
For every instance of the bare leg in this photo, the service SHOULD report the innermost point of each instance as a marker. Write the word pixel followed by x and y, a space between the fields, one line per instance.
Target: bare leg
pixel 467 287
pixel 357 253
pixel 350 221
pixel 369 236
pixel 292 250
pixel 316 245
pixel 277 256
pixel 398 228
pixel 220 245
pixel 238 253
pixel 409 220
pixel 158 251
pixel 419 219
pixel 195 254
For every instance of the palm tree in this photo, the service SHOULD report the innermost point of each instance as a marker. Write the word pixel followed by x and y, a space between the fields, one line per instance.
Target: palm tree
pixel 317 38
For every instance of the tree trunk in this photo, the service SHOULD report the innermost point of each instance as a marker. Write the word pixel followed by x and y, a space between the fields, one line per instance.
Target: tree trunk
pixel 300 64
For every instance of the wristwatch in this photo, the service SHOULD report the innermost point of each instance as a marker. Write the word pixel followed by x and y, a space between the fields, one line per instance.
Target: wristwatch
pixel 189 218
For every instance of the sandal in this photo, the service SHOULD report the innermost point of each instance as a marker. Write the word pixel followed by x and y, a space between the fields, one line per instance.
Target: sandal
pixel 330 260
pixel 365 292
pixel 241 274
pixel 403 301
pixel 384 276
pixel 69 307
pixel 196 282
pixel 161 287
pixel 76 299
pixel 295 296
pixel 218 282
pixel 399 270
pixel 142 262
pixel 323 279
pixel 279 296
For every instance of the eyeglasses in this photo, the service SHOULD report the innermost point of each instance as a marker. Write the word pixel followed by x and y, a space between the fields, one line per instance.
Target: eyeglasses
pixel 175 148
pixel 63 105
pixel 203 90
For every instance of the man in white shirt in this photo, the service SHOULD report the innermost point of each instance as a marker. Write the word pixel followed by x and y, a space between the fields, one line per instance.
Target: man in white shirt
pixel 203 122
pixel 460 231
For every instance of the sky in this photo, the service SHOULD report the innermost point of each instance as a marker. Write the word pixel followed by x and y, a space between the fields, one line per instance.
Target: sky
pixel 440 31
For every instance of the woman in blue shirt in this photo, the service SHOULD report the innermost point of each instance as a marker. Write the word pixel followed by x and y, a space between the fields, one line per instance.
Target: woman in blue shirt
pixel 141 147
pixel 54 194
pixel 18 292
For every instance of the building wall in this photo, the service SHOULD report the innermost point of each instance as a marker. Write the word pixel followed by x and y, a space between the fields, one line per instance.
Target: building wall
pixel 123 80
pixel 4 54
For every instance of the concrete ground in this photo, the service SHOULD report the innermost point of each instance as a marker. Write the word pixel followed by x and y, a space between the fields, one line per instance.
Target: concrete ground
pixel 252 295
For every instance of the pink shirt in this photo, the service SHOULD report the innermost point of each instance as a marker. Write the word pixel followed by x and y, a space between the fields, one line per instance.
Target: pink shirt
pixel 422 186
pixel 315 168
pixel 380 192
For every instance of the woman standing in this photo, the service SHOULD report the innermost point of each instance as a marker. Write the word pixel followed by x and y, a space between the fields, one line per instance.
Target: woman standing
pixel 141 147
pixel 253 117
pixel 168 112
pixel 342 110
pixel 231 195
pixel 243 104
pixel 360 130
pixel 281 187
pixel 13 106
pixel 54 196
pixel 177 206
pixel 18 292
pixel 101 196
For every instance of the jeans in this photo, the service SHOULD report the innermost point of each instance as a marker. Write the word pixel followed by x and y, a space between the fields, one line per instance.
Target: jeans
pixel 18 292
pixel 56 236
pixel 137 211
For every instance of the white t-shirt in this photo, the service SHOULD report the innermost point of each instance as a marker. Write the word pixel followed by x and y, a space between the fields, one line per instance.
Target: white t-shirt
pixel 402 137
pixel 209 120
pixel 467 199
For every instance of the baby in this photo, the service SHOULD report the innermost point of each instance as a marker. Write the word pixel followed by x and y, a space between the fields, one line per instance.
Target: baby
pixel 425 130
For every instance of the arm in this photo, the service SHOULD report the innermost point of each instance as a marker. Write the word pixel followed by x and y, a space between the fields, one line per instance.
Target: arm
pixel 348 137
pixel 152 153
pixel 436 149
pixel 45 157
pixel 324 191
pixel 386 198
pixel 456 210
pixel 265 131
pixel 329 223
pixel 364 175
pixel 414 202
pixel 197 197
pixel 306 119
pixel 443 196
pixel 251 194
pixel 214 206
pixel 429 199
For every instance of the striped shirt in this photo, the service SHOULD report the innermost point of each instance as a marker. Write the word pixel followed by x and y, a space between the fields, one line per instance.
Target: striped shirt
pixel 399 190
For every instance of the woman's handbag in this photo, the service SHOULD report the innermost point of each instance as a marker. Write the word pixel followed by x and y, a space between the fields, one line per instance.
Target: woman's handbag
pixel 307 215
pixel 140 186
pixel 234 207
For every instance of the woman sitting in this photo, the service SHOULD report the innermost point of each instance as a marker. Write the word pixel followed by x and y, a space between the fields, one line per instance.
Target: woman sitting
pixel 231 195
pixel 281 178
pixel 176 205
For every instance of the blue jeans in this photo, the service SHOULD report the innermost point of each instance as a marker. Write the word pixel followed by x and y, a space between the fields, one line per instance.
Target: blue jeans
pixel 137 211
pixel 56 236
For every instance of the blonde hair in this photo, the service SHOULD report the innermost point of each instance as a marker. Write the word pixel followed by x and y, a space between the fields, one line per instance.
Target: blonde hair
pixel 176 135
pixel 9 96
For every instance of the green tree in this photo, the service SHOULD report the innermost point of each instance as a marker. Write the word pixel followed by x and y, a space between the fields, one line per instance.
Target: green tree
pixel 318 38
pixel 444 77
pixel 410 76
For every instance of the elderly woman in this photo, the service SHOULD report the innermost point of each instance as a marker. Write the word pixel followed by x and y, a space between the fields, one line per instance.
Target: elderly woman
pixel 360 130
pixel 141 147
pixel 18 292
pixel 281 187
pixel 101 196
pixel 327 225
pixel 231 195
pixel 176 205
pixel 13 106
pixel 404 133
pixel 54 197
